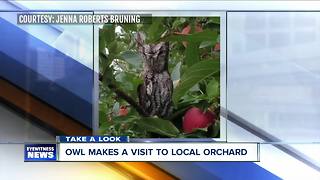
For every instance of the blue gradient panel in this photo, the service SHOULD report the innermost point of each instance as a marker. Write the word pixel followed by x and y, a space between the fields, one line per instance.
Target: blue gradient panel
pixel 217 170
pixel 46 73
pixel 40 152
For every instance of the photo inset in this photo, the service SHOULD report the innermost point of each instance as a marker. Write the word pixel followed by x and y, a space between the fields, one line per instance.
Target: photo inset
pixel 160 79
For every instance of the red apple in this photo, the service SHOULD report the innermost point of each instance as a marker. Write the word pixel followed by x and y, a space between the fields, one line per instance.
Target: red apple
pixel 123 111
pixel 195 118
pixel 217 47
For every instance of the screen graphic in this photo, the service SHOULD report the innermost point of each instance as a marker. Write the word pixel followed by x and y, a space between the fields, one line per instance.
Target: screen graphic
pixel 159 90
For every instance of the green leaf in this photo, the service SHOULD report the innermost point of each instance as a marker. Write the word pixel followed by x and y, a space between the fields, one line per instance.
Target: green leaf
pixel 178 22
pixel 102 42
pixel 205 44
pixel 124 119
pixel 129 27
pixel 128 82
pixel 108 76
pixel 213 89
pixel 103 119
pixel 194 75
pixel 108 32
pixel 113 48
pixel 102 116
pixel 190 99
pixel 103 62
pixel 156 29
pixel 132 58
pixel 197 133
pixel 206 35
pixel 216 129
pixel 159 126
pixel 214 20
pixel 116 108
pixel 192 54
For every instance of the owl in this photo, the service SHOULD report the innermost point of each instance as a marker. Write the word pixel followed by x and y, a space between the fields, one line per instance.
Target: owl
pixel 155 94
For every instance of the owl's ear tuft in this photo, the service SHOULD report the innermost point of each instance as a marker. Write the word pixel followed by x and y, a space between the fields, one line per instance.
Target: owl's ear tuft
pixel 140 38
pixel 162 45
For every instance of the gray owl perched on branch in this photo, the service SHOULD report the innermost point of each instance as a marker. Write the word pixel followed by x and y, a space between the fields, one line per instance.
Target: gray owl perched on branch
pixel 155 94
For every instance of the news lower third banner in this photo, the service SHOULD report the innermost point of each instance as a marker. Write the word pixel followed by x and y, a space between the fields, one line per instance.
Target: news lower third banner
pixel 119 148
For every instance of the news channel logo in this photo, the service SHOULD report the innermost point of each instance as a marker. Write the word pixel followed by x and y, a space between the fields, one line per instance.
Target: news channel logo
pixel 40 152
